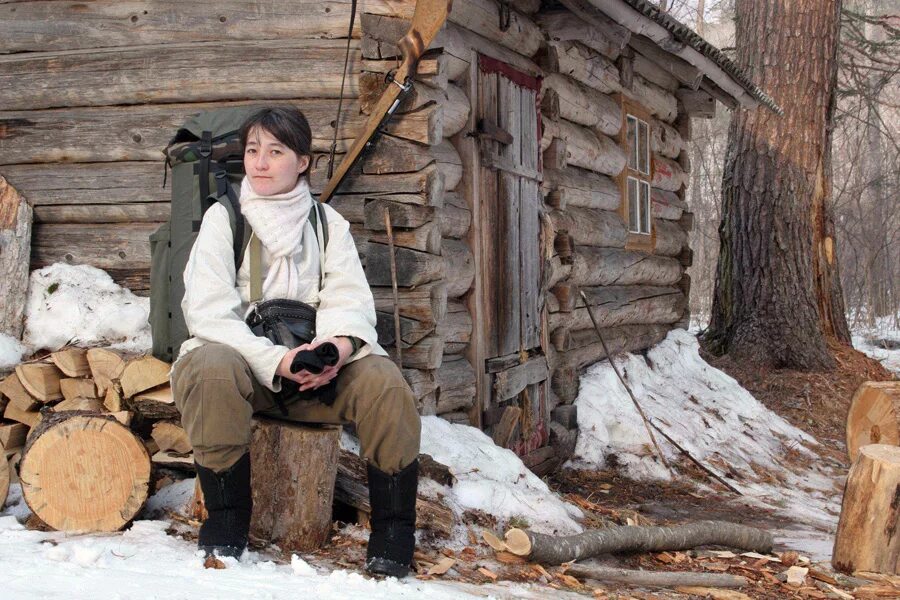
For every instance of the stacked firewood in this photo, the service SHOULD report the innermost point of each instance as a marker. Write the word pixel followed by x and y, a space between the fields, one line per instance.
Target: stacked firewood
pixel 92 432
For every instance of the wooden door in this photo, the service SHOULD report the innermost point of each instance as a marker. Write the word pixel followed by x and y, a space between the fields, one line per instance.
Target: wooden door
pixel 509 139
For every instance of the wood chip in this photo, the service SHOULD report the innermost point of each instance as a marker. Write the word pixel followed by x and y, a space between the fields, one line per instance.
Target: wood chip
pixel 541 571
pixel 723 553
pixel 822 577
pixel 796 576
pixel 509 558
pixel 488 573
pixel 444 565
pixel 714 593
pixel 789 558
pixel 837 592
pixel 762 556
pixel 569 580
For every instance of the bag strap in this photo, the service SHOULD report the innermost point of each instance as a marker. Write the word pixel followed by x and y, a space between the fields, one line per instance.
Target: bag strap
pixel 319 223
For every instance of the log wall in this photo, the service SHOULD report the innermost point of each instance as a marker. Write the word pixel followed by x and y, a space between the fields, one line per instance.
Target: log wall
pixel 92 92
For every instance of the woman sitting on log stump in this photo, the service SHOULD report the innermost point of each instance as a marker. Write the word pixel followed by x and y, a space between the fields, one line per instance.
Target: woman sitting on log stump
pixel 225 374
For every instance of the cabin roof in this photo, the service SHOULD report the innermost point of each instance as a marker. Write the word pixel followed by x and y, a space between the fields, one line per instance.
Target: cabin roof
pixel 687 36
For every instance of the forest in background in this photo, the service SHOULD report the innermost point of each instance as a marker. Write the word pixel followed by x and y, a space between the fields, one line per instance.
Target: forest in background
pixel 865 161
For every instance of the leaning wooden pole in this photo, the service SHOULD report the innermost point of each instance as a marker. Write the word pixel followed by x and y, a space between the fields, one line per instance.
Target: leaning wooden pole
pixel 555 550
pixel 398 342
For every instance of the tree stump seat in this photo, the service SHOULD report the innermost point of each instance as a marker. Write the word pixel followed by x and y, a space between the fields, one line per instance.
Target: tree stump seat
pixel 292 470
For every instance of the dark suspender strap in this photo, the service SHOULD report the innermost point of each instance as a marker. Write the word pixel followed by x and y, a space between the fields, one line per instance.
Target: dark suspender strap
pixel 337 120
pixel 205 153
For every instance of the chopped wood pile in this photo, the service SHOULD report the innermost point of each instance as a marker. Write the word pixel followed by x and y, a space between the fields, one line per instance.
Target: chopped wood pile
pixel 116 413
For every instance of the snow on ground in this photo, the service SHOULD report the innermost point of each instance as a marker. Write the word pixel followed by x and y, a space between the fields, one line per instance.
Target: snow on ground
pixel 11 351
pixel 871 340
pixel 717 421
pixel 81 305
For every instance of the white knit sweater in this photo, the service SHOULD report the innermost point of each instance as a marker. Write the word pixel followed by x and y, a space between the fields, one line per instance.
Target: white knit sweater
pixel 216 302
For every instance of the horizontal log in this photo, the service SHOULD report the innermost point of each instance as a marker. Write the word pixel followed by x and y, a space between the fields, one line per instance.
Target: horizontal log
pixel 134 182
pixel 585 148
pixel 456 326
pixel 665 139
pixel 520 34
pixel 591 227
pixel 564 26
pixel 579 187
pixel 668 174
pixel 626 338
pixel 105 246
pixel 146 212
pixel 101 183
pixel 455 217
pixel 258 69
pixel 459 267
pixel 44 26
pixel 426 303
pixel 411 330
pixel 119 133
pixel 565 98
pixel 509 383
pixel 611 266
pixel 697 103
pixel 582 64
pixel 661 103
pixel 668 238
pixel 456 385
pixel 426 354
pixel 401 214
pixel 653 73
pixel 568 328
pixel 426 238
pixel 420 382
pixel 352 207
pixel 666 205
pixel 589 13
pixel 413 267
pixel 686 73
pixel 451 104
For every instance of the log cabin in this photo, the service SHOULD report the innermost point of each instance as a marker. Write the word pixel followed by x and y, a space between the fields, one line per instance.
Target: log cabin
pixel 541 153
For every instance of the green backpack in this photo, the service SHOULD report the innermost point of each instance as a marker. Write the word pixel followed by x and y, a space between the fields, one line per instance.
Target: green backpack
pixel 206 159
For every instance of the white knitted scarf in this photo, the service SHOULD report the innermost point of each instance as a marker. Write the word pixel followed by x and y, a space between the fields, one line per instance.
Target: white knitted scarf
pixel 279 222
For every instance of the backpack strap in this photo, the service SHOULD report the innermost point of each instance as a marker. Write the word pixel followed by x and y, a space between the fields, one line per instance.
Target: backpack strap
pixel 319 223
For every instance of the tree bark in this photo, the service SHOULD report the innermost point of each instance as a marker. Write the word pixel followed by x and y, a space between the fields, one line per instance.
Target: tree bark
pixel 777 293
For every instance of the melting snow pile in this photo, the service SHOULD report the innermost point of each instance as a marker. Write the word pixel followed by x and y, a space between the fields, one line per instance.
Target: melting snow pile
pixel 881 342
pixel 11 351
pixel 488 478
pixel 81 305
pixel 712 417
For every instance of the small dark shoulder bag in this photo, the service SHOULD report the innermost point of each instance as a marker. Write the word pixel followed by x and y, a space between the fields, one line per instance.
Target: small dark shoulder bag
pixel 292 323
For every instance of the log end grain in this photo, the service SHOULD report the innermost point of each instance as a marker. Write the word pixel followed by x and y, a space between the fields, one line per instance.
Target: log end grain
pixel 83 472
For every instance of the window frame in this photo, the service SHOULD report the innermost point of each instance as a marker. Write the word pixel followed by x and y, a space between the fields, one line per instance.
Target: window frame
pixel 643 236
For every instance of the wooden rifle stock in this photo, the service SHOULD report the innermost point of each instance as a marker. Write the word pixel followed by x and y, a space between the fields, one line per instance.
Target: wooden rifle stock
pixel 427 20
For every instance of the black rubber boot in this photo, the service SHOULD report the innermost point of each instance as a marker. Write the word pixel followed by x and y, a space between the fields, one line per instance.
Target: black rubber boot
pixel 229 504
pixel 393 520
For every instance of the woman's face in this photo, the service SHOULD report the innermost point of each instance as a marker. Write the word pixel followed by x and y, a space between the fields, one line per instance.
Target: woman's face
pixel 272 167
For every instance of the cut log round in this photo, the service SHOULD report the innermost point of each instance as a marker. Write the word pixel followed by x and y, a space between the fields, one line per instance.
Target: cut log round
pixel 867 537
pixel 84 472
pixel 555 550
pixel 874 416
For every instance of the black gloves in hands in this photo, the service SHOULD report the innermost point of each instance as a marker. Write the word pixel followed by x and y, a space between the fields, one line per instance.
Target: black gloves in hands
pixel 315 360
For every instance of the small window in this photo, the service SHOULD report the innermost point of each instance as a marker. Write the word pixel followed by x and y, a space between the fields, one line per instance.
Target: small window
pixel 638 145
pixel 637 139
pixel 638 206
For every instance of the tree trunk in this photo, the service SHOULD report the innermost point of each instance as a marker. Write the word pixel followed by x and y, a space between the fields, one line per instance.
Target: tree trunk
pixel 777 293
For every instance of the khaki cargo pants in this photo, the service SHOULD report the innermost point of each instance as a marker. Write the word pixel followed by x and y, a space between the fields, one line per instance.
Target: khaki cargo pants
pixel 217 395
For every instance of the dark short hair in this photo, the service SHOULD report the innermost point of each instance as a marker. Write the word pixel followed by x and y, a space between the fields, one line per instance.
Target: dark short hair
pixel 287 124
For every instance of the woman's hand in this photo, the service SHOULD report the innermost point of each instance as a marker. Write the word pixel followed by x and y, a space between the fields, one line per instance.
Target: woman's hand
pixel 310 381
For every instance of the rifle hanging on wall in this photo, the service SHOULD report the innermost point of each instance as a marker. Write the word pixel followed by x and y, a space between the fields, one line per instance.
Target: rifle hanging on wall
pixel 427 20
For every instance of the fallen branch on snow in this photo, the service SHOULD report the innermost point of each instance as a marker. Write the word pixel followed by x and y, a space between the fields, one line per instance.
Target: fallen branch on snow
pixel 555 550
pixel 656 579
